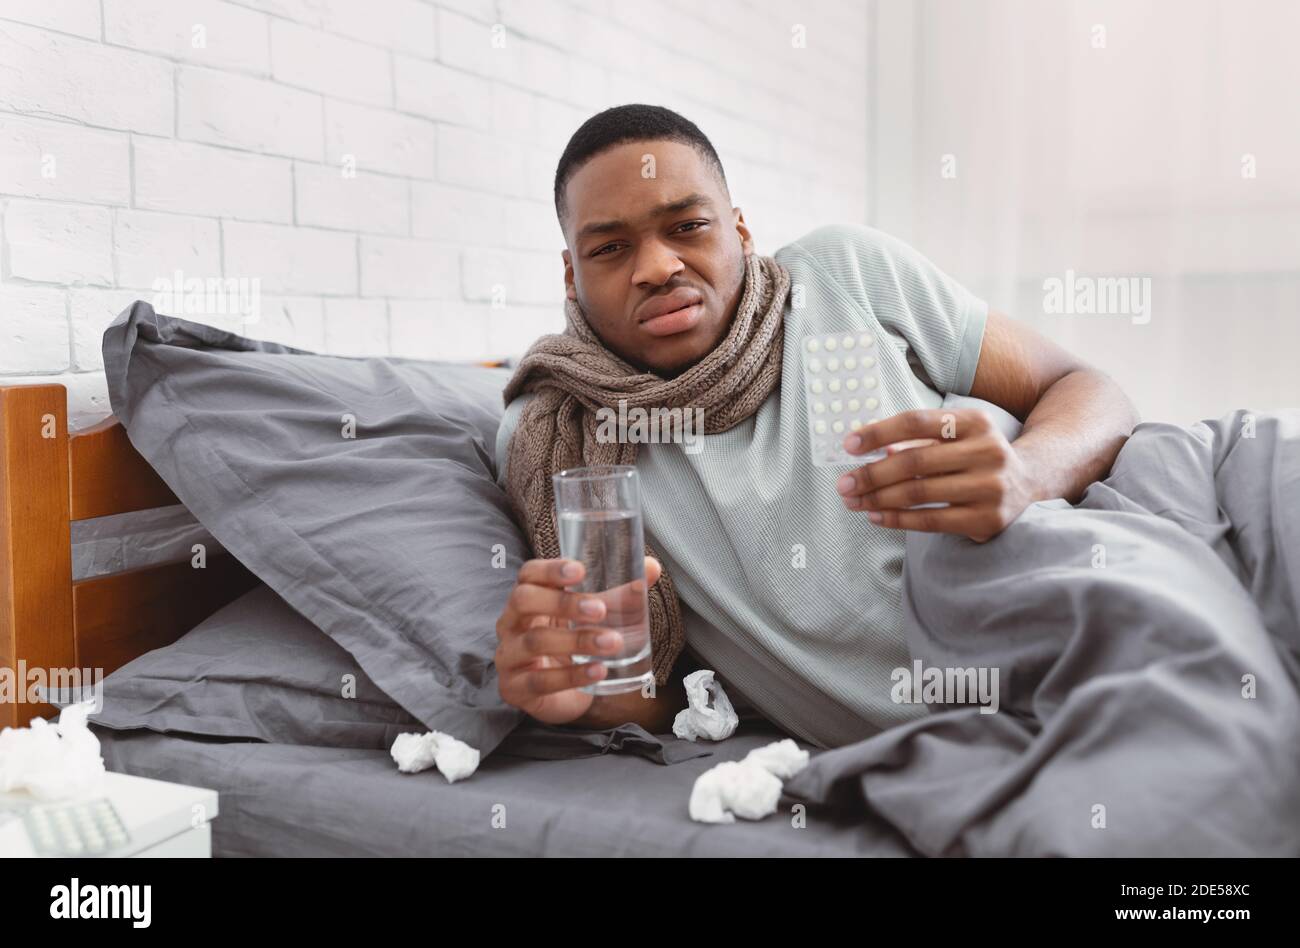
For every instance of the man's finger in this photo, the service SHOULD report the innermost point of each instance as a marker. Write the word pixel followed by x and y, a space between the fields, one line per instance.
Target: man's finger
pixel 556 573
pixel 556 642
pixel 962 520
pixel 952 489
pixel 907 425
pixel 527 600
pixel 909 445
pixel 944 458
pixel 536 682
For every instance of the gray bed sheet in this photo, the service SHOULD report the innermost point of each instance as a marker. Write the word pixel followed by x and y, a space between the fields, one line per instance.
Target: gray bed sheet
pixel 287 800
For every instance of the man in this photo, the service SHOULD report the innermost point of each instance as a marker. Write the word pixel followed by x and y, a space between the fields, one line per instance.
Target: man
pixel 782 576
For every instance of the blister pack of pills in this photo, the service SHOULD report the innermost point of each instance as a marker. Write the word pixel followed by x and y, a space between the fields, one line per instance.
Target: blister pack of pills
pixel 842 392
pixel 88 828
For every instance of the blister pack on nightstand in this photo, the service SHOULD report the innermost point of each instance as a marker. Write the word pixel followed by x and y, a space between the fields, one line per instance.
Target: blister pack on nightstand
pixel 842 393
pixel 78 828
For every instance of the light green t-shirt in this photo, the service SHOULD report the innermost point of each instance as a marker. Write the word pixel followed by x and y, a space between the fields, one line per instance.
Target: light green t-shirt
pixel 792 599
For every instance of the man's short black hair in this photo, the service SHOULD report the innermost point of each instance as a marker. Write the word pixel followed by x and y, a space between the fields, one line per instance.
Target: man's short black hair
pixel 629 123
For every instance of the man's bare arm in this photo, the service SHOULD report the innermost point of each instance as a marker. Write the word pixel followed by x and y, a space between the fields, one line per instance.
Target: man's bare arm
pixel 1075 418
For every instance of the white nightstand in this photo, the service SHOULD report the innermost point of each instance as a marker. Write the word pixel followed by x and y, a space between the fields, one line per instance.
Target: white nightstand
pixel 162 819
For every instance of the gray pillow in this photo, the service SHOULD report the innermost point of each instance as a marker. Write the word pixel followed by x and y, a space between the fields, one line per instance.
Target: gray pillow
pixel 254 669
pixel 360 490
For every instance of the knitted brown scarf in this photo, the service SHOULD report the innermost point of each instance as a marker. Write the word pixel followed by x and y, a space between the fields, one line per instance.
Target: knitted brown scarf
pixel 574 375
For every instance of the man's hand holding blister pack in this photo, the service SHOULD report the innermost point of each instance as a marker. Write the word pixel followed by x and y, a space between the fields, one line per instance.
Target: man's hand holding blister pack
pixel 944 470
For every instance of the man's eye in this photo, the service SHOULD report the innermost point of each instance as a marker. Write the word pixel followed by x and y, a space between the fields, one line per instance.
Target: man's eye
pixel 694 224
pixel 599 251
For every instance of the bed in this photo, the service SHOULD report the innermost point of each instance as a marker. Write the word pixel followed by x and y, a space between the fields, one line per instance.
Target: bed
pixel 280 799
pixel 1147 636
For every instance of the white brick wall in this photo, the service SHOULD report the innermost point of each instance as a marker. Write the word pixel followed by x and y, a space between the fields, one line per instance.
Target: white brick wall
pixel 378 165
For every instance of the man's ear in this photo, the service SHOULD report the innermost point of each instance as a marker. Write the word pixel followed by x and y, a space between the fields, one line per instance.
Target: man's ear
pixel 570 290
pixel 746 239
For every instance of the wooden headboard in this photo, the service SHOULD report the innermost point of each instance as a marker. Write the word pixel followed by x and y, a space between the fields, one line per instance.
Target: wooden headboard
pixel 48 479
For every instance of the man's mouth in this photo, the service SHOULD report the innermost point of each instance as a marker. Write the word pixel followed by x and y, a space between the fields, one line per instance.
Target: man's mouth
pixel 679 311
pixel 679 320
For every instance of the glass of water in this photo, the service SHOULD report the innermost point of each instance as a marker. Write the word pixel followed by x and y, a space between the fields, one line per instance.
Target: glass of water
pixel 598 520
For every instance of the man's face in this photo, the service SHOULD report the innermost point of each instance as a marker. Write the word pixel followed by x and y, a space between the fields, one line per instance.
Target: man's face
pixel 656 263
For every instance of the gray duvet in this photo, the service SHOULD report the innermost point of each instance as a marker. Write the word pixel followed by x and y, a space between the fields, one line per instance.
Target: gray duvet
pixel 1147 643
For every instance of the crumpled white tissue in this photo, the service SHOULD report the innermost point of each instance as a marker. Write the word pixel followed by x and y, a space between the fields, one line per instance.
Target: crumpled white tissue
pixel 52 761
pixel 782 759
pixel 698 719
pixel 748 788
pixel 454 759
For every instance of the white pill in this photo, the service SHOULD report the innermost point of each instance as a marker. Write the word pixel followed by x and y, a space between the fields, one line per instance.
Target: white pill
pixel 831 344
pixel 868 362
pixel 832 364
pixel 847 342
pixel 864 339
pixel 815 385
pixel 855 424
pixel 851 384
pixel 813 345
pixel 819 427
pixel 819 408
pixel 869 382
pixel 850 363
pixel 833 385
pixel 837 406
pixel 854 404
pixel 872 404
pixel 837 427
pixel 814 365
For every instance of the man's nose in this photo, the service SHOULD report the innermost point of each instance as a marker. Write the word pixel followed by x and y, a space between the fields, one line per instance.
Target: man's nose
pixel 656 264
